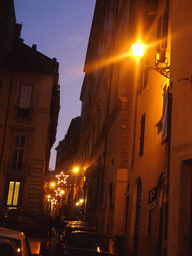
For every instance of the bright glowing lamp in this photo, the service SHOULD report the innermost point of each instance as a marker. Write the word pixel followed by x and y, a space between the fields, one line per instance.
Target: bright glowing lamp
pixel 52 184
pixel 76 169
pixel 138 49
pixel 62 192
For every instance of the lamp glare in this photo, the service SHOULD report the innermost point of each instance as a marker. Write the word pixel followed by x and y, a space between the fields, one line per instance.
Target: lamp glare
pixel 76 169
pixel 138 49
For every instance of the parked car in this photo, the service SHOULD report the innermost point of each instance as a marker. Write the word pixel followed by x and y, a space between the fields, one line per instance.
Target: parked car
pixel 90 243
pixel 35 224
pixel 68 229
pixel 17 240
pixel 67 232
pixel 79 222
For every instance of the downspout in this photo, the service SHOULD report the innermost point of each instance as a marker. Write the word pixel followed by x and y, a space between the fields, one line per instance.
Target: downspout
pixel 6 119
pixel 166 178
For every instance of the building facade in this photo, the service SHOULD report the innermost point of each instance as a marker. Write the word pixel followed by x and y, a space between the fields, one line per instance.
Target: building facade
pixel 66 161
pixel 180 206
pixel 29 108
pixel 135 139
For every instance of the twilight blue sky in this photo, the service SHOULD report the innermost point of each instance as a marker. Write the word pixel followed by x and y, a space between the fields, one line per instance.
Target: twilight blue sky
pixel 60 29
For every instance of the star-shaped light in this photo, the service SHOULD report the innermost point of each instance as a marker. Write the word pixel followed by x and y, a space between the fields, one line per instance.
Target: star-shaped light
pixel 54 201
pixel 61 178
pixel 57 192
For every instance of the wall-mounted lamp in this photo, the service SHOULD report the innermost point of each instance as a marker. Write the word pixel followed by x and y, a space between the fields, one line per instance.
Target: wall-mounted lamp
pixel 138 50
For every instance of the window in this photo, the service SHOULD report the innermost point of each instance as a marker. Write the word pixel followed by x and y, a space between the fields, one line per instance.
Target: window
pixel 137 217
pixel 18 153
pixel 145 74
pixel 13 193
pixel 14 242
pixel 25 96
pixel 126 215
pixel 162 31
pixel 24 101
pixel 149 222
pixel 138 207
pixel 165 93
pixel 142 135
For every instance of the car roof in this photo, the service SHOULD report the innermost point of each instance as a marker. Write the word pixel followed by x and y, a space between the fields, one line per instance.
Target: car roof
pixel 90 233
pixel 81 227
pixel 78 225
pixel 78 222
pixel 11 233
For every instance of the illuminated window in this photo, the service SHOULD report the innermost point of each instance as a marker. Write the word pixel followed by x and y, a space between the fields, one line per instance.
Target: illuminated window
pixel 18 153
pixel 13 193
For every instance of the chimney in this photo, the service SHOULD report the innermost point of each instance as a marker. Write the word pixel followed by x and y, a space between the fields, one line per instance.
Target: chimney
pixel 34 47
pixel 17 31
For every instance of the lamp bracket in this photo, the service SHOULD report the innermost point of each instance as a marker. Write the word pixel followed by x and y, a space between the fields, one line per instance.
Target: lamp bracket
pixel 165 71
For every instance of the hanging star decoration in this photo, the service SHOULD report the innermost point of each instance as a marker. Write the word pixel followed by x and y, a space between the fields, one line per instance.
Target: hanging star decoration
pixel 54 200
pixel 61 178
pixel 58 191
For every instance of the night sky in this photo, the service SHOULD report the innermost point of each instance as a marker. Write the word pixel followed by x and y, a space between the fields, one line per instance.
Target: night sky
pixel 60 29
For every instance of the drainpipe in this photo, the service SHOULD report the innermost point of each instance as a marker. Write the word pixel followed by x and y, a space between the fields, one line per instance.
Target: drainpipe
pixel 166 178
pixel 6 119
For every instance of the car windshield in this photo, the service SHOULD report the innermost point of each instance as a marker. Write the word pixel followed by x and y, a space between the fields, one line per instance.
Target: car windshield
pixel 32 223
pixel 70 229
pixel 94 242
pixel 15 243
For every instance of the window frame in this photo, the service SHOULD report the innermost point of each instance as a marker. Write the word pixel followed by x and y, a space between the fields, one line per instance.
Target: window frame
pixel 25 103
pixel 6 190
pixel 27 98
pixel 142 135
pixel 19 149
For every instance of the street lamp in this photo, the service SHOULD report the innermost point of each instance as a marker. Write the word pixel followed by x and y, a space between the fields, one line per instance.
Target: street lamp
pixel 76 169
pixel 62 192
pixel 52 184
pixel 81 201
pixel 138 50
